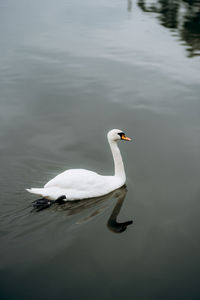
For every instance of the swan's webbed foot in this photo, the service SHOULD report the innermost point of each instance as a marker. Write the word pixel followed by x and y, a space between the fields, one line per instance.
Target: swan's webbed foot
pixel 42 203
pixel 61 199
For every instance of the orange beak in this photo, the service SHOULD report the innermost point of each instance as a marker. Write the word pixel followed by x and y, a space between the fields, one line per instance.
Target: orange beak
pixel 125 138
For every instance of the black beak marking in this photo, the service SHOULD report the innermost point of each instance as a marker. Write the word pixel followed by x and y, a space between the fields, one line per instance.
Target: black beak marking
pixel 121 134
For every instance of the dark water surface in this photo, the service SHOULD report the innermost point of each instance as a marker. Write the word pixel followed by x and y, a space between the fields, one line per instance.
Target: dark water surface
pixel 69 72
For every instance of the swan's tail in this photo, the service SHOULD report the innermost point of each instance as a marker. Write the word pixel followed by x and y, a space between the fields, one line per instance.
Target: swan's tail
pixel 39 192
pixel 51 193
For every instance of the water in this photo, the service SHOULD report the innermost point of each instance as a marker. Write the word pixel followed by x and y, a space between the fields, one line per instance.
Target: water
pixel 69 72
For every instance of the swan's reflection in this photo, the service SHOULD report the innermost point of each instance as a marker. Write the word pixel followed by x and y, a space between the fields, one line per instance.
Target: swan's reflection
pixel 77 207
pixel 112 223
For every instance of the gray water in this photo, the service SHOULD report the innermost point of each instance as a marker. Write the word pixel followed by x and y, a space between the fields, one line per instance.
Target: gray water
pixel 69 72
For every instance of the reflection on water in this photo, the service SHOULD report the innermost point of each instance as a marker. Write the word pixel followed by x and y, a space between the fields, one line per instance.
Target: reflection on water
pixel 77 207
pixel 113 225
pixel 71 70
pixel 181 16
pixel 129 5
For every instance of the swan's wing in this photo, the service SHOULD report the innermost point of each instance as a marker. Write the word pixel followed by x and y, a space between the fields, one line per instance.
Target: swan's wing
pixel 78 179
pixel 78 184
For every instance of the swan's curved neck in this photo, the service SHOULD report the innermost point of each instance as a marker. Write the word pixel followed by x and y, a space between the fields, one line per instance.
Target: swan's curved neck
pixel 118 163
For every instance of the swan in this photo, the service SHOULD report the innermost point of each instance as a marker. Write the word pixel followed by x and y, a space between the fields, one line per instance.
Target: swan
pixel 77 184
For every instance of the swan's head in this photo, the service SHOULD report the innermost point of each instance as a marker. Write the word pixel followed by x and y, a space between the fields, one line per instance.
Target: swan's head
pixel 117 134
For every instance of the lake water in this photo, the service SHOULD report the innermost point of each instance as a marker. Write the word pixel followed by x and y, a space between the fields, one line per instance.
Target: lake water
pixel 69 72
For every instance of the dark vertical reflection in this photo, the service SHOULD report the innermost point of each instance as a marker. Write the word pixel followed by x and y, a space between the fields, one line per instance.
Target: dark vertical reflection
pixel 181 16
pixel 190 32
pixel 129 5
pixel 113 224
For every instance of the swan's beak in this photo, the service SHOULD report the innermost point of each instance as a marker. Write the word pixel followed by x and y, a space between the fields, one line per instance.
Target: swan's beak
pixel 125 138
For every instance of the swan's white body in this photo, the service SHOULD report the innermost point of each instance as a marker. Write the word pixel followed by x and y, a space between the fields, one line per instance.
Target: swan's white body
pixel 77 184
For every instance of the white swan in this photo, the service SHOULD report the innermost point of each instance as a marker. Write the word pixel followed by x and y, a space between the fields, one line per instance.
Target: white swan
pixel 77 184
